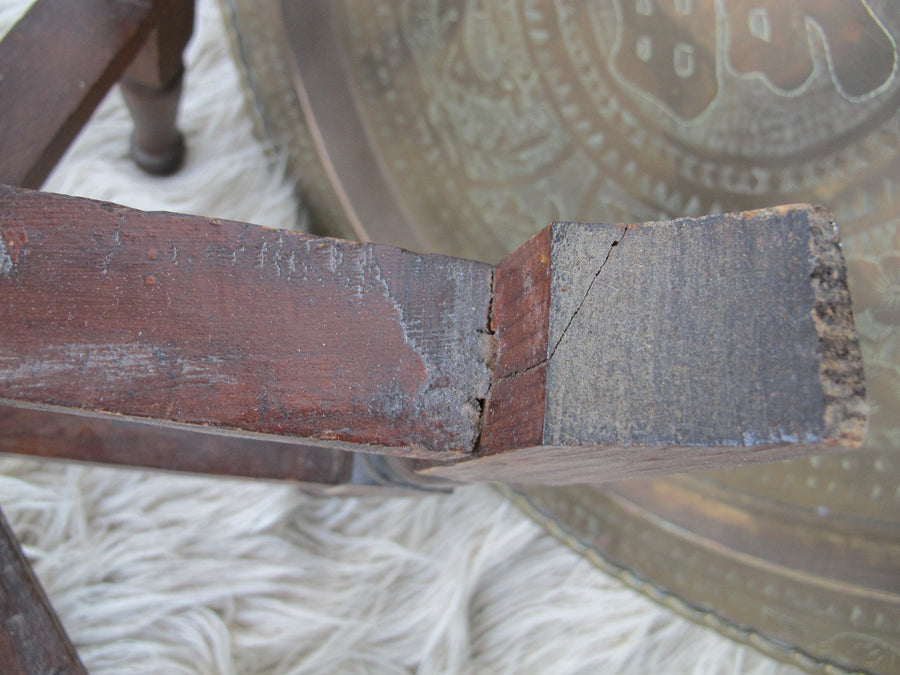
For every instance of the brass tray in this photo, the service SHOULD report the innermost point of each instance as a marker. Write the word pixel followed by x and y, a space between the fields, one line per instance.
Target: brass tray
pixel 463 127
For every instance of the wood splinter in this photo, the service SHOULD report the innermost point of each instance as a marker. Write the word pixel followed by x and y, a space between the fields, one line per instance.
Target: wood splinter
pixel 592 353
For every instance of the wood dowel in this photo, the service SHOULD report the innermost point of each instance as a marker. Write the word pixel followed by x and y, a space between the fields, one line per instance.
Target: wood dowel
pixel 152 87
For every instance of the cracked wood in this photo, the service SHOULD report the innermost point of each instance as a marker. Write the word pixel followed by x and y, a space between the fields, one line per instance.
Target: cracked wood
pixel 627 350
pixel 592 353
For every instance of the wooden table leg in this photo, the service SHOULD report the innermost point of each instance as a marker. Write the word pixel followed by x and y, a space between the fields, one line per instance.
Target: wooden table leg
pixel 151 88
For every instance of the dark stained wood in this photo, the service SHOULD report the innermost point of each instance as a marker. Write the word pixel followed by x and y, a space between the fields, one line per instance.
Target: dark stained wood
pixel 151 88
pixel 157 146
pixel 515 411
pixel 237 327
pixel 520 317
pixel 160 61
pixel 56 65
pixel 677 346
pixel 520 313
pixel 32 640
pixel 593 353
pixel 58 434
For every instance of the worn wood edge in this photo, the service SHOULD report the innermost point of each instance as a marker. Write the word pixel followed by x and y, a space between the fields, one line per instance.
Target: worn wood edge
pixel 841 368
pixel 412 451
pixel 594 464
pixel 32 638
pixel 476 358
pixel 840 375
pixel 118 440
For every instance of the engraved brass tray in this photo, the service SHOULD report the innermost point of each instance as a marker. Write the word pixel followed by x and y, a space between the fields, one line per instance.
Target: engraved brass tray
pixel 462 127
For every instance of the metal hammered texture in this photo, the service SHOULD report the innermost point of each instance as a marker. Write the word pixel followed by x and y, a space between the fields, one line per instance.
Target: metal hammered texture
pixel 464 127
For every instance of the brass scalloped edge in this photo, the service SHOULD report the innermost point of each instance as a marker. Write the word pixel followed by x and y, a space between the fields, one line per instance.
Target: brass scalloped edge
pixel 840 369
pixel 703 617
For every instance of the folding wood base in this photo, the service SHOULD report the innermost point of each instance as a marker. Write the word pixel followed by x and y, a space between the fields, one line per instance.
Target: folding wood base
pixel 592 353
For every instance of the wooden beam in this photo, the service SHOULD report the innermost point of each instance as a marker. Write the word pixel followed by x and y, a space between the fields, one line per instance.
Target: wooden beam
pixel 239 328
pixel 61 434
pixel 628 350
pixel 32 640
pixel 594 352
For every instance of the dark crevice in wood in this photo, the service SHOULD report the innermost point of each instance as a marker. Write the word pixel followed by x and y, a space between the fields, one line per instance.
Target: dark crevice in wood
pixel 523 371
pixel 489 354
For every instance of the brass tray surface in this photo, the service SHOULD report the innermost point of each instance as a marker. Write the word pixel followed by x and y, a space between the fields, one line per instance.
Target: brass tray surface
pixel 463 127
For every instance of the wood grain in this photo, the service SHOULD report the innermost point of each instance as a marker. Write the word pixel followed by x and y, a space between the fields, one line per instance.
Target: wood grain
pixel 676 346
pixel 520 317
pixel 593 353
pixel 61 434
pixel 237 327
pixel 32 640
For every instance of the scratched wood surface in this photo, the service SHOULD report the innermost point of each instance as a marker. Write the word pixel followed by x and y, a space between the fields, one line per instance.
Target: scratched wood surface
pixel 593 353
pixel 671 346
pixel 32 641
pixel 238 327
pixel 57 64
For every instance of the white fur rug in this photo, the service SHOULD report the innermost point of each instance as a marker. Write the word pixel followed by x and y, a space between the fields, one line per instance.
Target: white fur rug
pixel 159 573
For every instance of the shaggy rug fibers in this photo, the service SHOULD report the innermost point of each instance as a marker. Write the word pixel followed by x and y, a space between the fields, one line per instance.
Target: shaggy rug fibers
pixel 161 573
